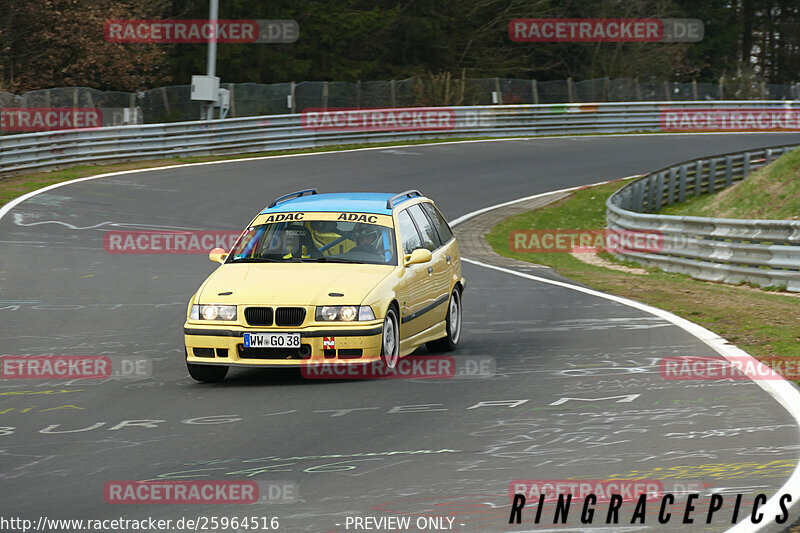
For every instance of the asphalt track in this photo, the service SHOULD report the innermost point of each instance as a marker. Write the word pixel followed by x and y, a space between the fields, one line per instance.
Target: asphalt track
pixel 577 393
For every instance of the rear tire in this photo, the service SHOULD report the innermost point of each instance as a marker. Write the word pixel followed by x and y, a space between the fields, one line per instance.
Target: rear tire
pixel 390 339
pixel 207 373
pixel 453 325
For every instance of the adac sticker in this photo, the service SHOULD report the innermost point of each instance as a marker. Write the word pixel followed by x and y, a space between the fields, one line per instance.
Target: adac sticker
pixel 357 217
pixel 284 217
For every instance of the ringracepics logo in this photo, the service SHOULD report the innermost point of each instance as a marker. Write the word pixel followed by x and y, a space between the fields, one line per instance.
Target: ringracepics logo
pixel 735 368
pixel 634 502
pixel 167 242
pixel 50 118
pixel 585 241
pixel 389 119
pixel 180 492
pixel 612 30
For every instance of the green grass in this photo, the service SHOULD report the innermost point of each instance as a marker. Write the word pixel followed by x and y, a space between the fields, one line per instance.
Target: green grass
pixel 772 193
pixel 762 323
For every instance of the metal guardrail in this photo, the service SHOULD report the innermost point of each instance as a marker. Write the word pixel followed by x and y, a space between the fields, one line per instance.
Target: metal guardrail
pixel 37 151
pixel 762 252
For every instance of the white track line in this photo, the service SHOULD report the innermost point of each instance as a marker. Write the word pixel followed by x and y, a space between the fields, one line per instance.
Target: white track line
pixel 784 392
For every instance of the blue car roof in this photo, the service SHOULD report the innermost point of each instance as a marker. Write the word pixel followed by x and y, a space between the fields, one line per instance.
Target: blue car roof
pixel 356 202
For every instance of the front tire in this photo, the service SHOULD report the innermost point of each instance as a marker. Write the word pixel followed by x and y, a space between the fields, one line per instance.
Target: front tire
pixel 453 326
pixel 390 339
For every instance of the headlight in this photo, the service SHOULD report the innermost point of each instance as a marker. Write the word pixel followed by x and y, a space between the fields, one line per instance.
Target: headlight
pixel 213 312
pixel 344 313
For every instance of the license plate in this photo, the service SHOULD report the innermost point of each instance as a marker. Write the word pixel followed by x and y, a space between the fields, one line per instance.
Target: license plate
pixel 271 340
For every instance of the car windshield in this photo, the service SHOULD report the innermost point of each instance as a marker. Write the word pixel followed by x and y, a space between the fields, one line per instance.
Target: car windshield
pixel 320 241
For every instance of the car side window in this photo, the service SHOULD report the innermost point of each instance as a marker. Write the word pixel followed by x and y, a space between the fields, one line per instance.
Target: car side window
pixel 438 221
pixel 430 239
pixel 408 232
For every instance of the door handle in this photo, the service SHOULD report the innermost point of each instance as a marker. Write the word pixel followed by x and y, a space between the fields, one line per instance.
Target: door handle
pixel 430 270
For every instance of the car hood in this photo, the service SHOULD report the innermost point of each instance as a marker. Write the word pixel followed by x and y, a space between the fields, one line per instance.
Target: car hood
pixel 291 284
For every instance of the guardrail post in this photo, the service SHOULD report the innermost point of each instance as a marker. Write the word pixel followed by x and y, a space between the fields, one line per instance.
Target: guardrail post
pixel 712 176
pixel 392 92
pixel 698 178
pixel 535 92
pixel 233 99
pixel 671 186
pixel 694 90
pixel 746 165
pixel 325 94
pixel 570 90
pixel 650 197
pixel 728 171
pixel 720 89
pixel 659 191
pixel 638 196
pixel 293 105
pixel 682 185
pixel 358 95
pixel 768 156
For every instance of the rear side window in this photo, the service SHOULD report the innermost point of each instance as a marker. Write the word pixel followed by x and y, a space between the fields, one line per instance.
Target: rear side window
pixel 430 239
pixel 438 221
pixel 408 232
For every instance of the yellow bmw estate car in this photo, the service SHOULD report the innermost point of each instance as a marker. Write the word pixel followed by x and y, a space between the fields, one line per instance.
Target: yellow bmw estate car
pixel 329 278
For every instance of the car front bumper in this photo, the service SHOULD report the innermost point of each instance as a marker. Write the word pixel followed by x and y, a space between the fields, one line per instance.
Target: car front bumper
pixel 352 343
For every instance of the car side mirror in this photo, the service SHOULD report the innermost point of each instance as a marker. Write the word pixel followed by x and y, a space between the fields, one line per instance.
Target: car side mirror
pixel 420 255
pixel 218 255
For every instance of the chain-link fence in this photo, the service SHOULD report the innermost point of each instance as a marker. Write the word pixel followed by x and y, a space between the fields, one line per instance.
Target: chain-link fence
pixel 172 104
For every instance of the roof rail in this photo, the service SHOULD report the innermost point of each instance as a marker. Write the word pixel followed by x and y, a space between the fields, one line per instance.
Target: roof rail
pixel 297 194
pixel 400 197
